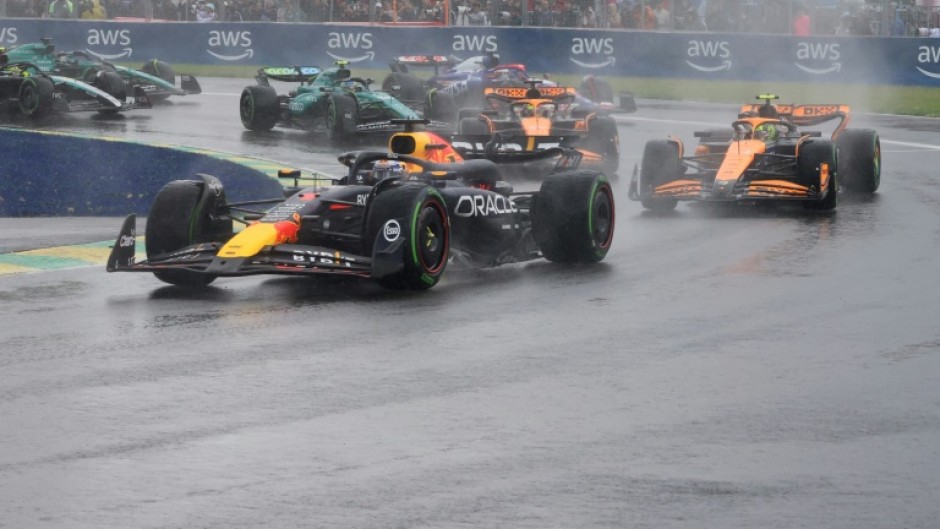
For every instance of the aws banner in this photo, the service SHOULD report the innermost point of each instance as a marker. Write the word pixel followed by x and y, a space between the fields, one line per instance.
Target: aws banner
pixel 745 57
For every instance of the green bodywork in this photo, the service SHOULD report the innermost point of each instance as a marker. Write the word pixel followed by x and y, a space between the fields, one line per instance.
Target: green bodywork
pixel 308 105
pixel 80 65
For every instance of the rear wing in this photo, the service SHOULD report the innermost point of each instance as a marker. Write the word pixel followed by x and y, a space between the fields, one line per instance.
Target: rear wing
pixel 401 64
pixel 425 60
pixel 807 115
pixel 290 74
pixel 512 93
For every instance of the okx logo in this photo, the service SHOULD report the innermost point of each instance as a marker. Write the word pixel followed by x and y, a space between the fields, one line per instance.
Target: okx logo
pixel 709 55
pixel 231 45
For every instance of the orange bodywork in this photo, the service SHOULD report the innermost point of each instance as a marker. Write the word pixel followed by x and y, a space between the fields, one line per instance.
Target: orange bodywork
pixel 739 157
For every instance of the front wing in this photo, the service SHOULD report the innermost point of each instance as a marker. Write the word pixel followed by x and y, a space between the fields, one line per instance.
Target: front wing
pixel 775 180
pixel 284 259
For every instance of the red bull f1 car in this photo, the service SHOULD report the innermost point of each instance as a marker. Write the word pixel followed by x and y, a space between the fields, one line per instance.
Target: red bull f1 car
pixel 395 218
pixel 535 118
pixel 764 156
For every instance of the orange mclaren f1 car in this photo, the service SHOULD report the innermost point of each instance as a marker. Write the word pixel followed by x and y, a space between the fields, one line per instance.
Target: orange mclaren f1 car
pixel 764 156
pixel 535 118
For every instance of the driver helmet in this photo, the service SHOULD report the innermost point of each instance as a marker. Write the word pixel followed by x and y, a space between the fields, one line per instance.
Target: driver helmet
pixel 352 86
pixel 388 169
pixel 766 132
pixel 527 110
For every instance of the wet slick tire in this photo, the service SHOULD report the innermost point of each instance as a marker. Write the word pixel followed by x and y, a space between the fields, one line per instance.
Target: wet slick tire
pixel 812 155
pixel 162 70
pixel 183 214
pixel 573 217
pixel 416 217
pixel 258 107
pixel 859 160
pixel 403 86
pixel 341 118
pixel 34 96
pixel 660 164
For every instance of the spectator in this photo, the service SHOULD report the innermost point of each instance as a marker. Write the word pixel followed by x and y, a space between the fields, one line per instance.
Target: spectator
pixel 691 21
pixel 93 10
pixel 60 9
pixel 205 12
pixel 643 16
pixel 613 15
pixel 898 27
pixel 801 22
pixel 663 16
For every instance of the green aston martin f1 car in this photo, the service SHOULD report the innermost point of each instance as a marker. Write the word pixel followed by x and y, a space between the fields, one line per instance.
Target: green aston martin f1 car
pixel 328 100
pixel 156 78
pixel 26 90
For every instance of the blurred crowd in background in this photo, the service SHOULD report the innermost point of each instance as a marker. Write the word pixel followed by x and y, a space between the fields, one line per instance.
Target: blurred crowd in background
pixel 799 17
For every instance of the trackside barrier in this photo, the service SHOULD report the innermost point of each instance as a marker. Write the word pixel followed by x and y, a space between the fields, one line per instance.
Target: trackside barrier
pixel 55 174
pixel 706 56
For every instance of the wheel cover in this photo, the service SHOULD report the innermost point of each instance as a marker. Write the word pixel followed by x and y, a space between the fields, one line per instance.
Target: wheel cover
pixel 29 96
pixel 331 118
pixel 602 218
pixel 431 239
pixel 247 107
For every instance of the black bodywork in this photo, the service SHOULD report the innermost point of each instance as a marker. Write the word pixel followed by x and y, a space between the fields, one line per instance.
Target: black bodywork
pixel 349 229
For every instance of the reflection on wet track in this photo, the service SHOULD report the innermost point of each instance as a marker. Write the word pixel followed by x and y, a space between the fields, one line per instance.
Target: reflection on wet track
pixel 723 367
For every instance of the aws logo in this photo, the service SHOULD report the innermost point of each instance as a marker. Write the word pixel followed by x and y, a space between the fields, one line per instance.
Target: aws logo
pixel 929 56
pixel 354 42
pixel 709 52
pixel 822 56
pixel 601 49
pixel 476 43
pixel 8 36
pixel 110 38
pixel 231 39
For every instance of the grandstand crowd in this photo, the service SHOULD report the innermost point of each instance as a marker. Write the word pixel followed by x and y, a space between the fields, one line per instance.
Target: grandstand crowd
pixel 800 17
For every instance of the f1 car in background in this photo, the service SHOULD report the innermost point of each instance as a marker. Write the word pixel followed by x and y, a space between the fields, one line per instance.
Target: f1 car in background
pixel 397 219
pixel 330 100
pixel 456 85
pixel 764 156
pixel 534 118
pixel 27 91
pixel 156 78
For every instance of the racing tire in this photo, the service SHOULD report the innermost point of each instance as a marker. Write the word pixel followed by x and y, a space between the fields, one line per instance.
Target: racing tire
pixel 35 96
pixel 163 71
pixel 472 127
pixel 114 85
pixel 341 118
pixel 420 214
pixel 258 107
pixel 597 90
pixel 573 217
pixel 660 164
pixel 811 156
pixel 603 138
pixel 440 106
pixel 182 214
pixel 859 159
pixel 403 86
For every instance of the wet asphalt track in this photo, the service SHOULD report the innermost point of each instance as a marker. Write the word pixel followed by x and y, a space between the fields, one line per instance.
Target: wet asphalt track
pixel 734 368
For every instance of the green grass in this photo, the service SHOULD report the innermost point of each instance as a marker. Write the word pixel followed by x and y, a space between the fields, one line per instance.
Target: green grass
pixel 887 99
